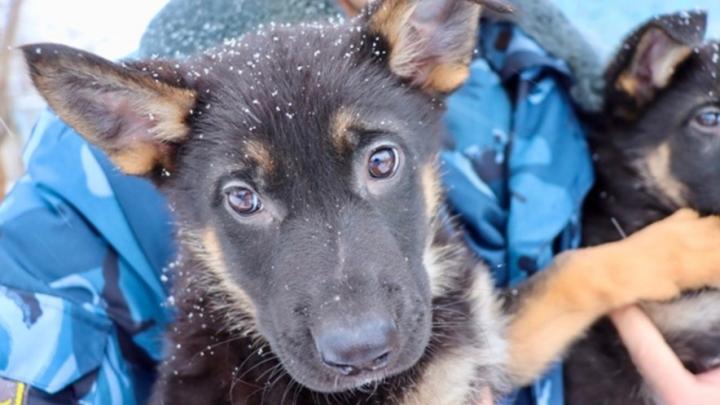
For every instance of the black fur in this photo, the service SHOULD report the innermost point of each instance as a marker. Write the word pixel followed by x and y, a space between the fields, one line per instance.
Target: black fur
pixel 295 114
pixel 628 197
pixel 331 245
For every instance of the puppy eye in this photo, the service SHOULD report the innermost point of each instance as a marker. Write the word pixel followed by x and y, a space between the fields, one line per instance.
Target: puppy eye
pixel 708 118
pixel 243 200
pixel 383 162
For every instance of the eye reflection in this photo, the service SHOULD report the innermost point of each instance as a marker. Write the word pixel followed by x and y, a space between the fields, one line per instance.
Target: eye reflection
pixel 383 163
pixel 243 200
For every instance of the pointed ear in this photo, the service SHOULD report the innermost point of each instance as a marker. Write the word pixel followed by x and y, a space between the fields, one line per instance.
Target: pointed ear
pixel 431 42
pixel 649 57
pixel 137 113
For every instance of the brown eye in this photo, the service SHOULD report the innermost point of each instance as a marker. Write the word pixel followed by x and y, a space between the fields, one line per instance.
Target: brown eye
pixel 243 200
pixel 383 163
pixel 708 118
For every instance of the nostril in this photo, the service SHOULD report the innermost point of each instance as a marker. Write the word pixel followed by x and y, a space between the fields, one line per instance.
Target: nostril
pixel 368 346
pixel 381 361
pixel 344 369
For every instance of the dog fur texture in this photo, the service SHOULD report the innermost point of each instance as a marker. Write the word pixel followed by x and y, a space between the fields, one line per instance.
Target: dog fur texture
pixel 267 149
pixel 653 156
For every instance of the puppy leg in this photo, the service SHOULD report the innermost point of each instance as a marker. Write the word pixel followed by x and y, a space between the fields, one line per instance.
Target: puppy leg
pixel 679 253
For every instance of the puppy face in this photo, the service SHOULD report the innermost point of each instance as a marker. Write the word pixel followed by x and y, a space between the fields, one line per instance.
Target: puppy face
pixel 664 104
pixel 307 182
pixel 299 163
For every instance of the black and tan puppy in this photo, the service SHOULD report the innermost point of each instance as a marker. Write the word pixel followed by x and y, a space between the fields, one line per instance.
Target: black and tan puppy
pixel 657 148
pixel 317 267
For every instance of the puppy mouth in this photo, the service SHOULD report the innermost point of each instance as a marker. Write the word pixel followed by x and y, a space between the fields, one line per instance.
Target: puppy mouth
pixel 314 372
pixel 366 382
pixel 334 382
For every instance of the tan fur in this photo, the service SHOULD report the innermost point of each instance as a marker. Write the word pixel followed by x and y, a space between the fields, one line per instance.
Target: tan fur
pixel 432 189
pixel 389 18
pixel 164 106
pixel 169 107
pixel 628 83
pixel 455 377
pixel 342 121
pixel 657 166
pixel 393 21
pixel 666 68
pixel 585 284
pixel 487 312
pixel 260 154
pixel 439 262
pixel 238 308
pixel 492 353
pixel 663 68
pixel 137 160
pixel 448 380
pixel 446 78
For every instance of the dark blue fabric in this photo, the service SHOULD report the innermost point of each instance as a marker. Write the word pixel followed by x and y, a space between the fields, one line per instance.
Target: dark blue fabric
pixel 82 247
pixel 519 167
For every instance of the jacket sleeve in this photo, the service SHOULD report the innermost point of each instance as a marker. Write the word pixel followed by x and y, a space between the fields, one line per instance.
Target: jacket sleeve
pixel 82 306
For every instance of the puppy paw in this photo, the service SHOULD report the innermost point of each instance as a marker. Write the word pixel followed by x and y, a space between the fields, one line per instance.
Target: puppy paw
pixel 678 253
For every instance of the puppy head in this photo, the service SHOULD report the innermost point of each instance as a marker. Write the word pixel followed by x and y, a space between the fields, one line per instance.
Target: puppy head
pixel 663 110
pixel 300 164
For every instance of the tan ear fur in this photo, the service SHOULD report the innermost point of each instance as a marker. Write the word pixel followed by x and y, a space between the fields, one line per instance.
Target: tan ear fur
pixel 431 41
pixel 653 64
pixel 649 57
pixel 127 112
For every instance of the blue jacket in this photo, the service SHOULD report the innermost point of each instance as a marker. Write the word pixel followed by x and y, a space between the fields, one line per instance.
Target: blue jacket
pixel 83 300
pixel 82 248
pixel 517 167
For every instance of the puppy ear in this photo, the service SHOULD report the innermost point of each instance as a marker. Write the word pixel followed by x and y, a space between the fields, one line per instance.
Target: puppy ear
pixel 431 42
pixel 649 57
pixel 137 113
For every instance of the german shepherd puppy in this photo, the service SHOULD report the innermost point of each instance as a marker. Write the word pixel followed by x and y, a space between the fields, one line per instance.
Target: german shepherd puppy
pixel 657 148
pixel 317 266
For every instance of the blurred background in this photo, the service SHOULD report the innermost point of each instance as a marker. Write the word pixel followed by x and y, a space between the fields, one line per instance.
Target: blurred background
pixel 113 28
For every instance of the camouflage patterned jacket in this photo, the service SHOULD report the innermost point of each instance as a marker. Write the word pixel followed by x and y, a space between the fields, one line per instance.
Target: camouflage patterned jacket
pixel 83 248
pixel 82 301
pixel 517 168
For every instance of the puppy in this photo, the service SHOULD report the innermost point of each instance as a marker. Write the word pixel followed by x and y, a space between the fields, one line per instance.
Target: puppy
pixel 317 266
pixel 657 146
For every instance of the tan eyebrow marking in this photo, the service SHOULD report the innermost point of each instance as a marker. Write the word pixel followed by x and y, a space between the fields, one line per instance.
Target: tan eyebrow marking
pixel 260 154
pixel 341 123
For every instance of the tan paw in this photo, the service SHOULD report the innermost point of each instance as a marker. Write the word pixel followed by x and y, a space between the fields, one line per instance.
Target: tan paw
pixel 678 253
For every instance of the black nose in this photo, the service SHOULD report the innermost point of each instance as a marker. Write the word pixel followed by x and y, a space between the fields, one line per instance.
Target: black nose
pixel 365 346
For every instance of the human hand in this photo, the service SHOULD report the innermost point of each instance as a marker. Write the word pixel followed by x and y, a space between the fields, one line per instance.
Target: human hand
pixel 658 364
pixel 486 397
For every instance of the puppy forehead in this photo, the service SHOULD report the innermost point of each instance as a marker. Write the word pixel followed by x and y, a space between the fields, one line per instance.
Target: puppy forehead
pixel 293 104
pixel 709 55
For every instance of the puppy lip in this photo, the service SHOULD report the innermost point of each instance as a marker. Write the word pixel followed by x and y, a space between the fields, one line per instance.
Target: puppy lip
pixel 341 383
pixel 327 381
